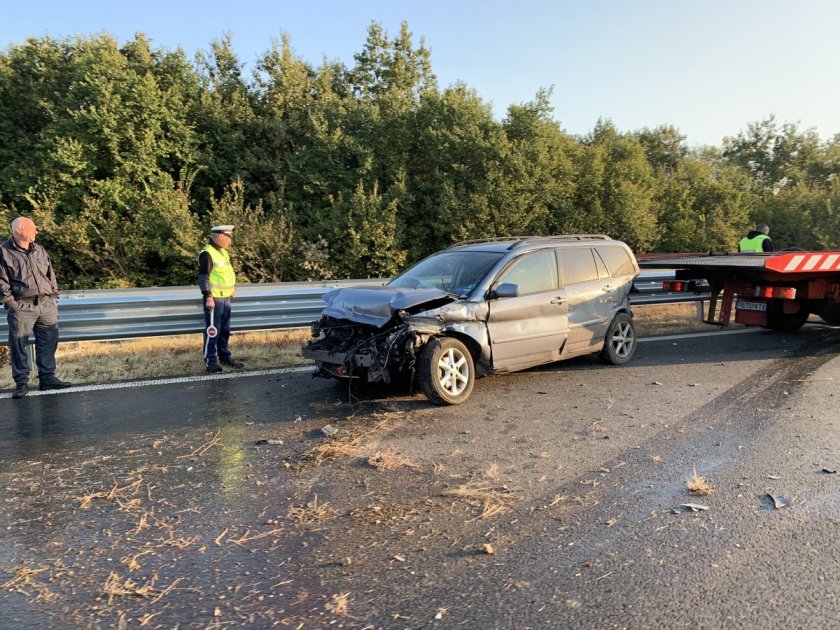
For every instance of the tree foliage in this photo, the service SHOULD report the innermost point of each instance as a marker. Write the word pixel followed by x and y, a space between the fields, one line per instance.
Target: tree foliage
pixel 126 154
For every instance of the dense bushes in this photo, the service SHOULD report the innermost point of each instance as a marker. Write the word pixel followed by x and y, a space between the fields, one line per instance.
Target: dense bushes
pixel 124 155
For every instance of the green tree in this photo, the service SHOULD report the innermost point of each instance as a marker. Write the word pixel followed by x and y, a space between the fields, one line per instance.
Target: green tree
pixel 262 241
pixel 616 188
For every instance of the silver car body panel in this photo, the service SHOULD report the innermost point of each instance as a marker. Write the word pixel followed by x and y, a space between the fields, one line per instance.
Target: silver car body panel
pixel 559 321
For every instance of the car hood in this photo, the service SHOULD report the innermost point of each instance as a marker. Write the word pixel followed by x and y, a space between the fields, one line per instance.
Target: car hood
pixel 377 305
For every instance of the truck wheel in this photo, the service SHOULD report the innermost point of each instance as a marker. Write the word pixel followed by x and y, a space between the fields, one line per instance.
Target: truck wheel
pixel 445 371
pixel 620 342
pixel 830 313
pixel 786 323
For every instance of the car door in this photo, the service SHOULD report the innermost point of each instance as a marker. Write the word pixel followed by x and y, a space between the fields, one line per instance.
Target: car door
pixel 529 328
pixel 585 279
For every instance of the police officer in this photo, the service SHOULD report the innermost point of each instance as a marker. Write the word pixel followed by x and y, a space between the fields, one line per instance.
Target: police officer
pixel 217 282
pixel 757 240
pixel 29 292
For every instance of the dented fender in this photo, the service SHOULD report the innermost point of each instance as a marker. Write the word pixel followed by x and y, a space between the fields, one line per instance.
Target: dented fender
pixel 468 319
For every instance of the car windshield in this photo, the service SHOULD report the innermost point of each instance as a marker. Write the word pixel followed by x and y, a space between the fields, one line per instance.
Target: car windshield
pixel 453 272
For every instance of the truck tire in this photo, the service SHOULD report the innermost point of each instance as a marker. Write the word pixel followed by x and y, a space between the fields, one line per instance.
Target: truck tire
pixel 620 341
pixel 830 313
pixel 777 319
pixel 445 371
pixel 790 322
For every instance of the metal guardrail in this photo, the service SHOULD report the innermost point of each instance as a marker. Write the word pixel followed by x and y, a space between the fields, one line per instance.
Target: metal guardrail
pixel 130 313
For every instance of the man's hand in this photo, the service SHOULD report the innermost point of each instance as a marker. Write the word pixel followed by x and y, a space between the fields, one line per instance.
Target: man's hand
pixel 210 302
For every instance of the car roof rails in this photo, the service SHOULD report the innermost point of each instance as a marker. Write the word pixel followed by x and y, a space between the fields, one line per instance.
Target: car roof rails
pixel 521 241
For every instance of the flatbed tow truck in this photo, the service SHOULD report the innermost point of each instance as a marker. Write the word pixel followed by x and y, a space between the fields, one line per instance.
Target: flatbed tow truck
pixel 776 290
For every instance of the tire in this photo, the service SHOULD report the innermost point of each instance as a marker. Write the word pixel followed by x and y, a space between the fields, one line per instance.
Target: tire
pixel 620 340
pixel 787 323
pixel 445 371
pixel 829 312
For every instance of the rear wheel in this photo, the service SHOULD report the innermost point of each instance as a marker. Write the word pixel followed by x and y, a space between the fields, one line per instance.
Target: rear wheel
pixel 445 371
pixel 620 342
pixel 787 322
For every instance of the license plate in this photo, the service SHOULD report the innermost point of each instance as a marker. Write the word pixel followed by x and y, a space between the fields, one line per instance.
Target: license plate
pixel 750 306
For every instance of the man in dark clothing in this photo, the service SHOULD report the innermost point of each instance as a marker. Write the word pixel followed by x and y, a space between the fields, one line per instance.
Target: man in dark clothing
pixel 29 293
pixel 757 240
pixel 217 282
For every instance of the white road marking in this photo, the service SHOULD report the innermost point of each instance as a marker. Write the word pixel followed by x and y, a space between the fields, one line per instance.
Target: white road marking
pixel 740 331
pixel 164 381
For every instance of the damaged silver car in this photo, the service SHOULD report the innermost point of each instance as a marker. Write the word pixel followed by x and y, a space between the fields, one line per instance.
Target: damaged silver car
pixel 478 308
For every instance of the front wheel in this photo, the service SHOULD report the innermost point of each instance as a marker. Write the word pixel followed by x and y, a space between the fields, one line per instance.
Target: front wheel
pixel 445 371
pixel 620 341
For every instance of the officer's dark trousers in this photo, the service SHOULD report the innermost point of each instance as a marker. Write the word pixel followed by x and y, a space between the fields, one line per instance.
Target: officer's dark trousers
pixel 41 317
pixel 217 345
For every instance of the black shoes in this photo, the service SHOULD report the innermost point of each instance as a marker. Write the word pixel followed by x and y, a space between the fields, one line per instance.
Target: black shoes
pixel 22 389
pixel 53 383
pixel 234 365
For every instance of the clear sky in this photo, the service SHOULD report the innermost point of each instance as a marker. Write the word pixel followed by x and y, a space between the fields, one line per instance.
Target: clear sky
pixel 708 67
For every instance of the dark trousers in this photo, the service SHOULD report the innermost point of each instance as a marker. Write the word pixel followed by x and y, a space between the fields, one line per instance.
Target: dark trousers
pixel 217 345
pixel 40 317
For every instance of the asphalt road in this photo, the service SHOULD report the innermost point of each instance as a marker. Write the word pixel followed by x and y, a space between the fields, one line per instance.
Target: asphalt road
pixel 553 499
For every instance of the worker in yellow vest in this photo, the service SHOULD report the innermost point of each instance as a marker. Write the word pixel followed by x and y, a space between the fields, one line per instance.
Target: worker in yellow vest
pixel 757 240
pixel 217 282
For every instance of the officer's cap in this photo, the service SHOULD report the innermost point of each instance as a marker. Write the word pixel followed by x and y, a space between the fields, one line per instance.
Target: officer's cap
pixel 222 229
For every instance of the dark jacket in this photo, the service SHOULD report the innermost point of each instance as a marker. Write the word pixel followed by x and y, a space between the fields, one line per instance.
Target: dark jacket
pixel 25 275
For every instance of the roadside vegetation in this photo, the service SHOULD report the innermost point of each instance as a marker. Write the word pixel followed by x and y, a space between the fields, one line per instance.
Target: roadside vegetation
pixel 125 153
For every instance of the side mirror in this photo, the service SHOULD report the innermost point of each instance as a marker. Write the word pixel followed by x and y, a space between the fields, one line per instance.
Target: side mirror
pixel 506 290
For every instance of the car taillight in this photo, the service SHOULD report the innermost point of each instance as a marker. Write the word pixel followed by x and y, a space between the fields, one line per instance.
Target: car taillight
pixel 673 285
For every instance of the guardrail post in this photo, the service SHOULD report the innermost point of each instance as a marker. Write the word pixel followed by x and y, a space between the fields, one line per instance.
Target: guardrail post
pixel 701 309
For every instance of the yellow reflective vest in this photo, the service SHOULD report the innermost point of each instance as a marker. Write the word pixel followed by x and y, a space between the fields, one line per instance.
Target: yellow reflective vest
pixel 222 279
pixel 753 244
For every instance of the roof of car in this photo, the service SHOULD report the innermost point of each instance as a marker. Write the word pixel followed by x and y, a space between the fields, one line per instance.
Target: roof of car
pixel 508 243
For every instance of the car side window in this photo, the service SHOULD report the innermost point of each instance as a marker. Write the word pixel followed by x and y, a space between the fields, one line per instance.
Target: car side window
pixel 602 267
pixel 534 273
pixel 617 260
pixel 577 265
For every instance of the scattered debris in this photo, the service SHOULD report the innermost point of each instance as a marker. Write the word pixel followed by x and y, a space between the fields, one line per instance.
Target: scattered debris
pixel 312 512
pixel 694 507
pixel 329 430
pixel 389 460
pixel 773 477
pixel 488 549
pixel 492 499
pixel 828 471
pixel 698 486
pixel 269 441
pixel 201 450
pixel 338 604
pixel 24 582
pixel 778 502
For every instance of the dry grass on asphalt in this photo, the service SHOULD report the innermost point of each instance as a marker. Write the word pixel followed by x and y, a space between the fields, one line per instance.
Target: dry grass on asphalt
pixel 160 357
pixel 698 486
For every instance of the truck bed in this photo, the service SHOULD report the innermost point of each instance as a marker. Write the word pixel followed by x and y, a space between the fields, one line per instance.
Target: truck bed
pixel 767 266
